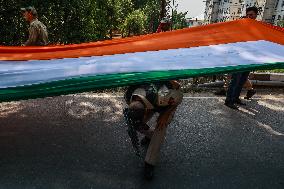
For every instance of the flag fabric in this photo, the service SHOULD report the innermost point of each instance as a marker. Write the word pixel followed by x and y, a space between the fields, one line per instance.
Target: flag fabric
pixel 242 45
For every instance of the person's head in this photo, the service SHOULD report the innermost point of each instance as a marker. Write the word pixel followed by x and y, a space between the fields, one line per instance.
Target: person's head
pixel 134 115
pixel 251 12
pixel 165 24
pixel 29 13
pixel 136 111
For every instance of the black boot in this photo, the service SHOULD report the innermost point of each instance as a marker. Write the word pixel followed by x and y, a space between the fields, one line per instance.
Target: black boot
pixel 148 171
pixel 231 105
pixel 250 93
pixel 239 102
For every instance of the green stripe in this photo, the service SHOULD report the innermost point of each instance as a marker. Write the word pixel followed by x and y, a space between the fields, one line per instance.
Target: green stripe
pixel 85 84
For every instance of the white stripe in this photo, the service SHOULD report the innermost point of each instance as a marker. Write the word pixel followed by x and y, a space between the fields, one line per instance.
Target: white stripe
pixel 185 97
pixel 16 73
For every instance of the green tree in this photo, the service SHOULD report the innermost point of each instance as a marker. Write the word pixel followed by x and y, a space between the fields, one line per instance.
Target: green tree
pixel 77 21
pixel 70 21
pixel 11 25
pixel 280 23
pixel 121 8
pixel 134 24
pixel 152 11
pixel 179 20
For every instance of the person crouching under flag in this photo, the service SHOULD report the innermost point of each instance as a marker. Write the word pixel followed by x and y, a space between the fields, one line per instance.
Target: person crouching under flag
pixel 143 102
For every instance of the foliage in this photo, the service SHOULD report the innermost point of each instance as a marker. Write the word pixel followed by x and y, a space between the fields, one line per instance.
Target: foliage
pixel 152 11
pixel 280 23
pixel 134 23
pixel 179 20
pixel 77 21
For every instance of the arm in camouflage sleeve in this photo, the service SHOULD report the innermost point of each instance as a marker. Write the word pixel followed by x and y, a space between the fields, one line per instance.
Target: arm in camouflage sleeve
pixel 32 36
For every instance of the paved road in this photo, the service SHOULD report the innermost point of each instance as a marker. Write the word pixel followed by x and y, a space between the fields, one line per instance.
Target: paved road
pixel 79 141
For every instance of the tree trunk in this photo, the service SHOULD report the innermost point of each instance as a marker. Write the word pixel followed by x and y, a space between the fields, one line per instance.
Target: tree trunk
pixel 163 9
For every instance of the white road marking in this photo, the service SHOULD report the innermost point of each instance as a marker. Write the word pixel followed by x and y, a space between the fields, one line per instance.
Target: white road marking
pixel 187 97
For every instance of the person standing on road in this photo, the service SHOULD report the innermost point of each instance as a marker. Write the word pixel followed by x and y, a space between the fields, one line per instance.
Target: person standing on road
pixel 240 79
pixel 38 35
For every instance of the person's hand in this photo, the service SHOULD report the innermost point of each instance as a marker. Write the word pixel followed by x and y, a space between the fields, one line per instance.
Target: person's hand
pixel 163 120
pixel 175 84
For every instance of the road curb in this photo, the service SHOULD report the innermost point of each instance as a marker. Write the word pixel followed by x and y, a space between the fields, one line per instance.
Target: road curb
pixel 267 76
pixel 257 79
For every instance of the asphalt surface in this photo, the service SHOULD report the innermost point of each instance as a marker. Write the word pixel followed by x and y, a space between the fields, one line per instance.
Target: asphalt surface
pixel 80 141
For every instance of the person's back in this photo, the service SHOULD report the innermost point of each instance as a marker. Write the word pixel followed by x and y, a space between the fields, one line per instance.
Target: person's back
pixel 38 34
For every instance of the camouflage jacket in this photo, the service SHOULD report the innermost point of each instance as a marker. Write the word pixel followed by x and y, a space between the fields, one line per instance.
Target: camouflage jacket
pixel 38 35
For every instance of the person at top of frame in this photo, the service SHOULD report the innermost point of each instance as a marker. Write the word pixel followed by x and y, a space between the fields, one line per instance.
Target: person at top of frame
pixel 38 35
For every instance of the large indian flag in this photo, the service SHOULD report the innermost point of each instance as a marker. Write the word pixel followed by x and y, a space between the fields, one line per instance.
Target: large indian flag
pixel 33 72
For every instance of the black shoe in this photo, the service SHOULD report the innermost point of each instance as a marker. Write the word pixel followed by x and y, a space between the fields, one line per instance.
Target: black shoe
pixel 148 171
pixel 145 141
pixel 231 105
pixel 238 101
pixel 221 92
pixel 250 93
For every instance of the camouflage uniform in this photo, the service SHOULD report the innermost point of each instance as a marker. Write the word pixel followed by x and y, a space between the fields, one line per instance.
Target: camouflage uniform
pixel 38 35
pixel 137 117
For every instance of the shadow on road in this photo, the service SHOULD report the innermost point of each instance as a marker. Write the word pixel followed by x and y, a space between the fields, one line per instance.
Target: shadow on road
pixel 80 142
